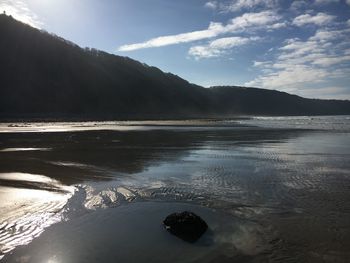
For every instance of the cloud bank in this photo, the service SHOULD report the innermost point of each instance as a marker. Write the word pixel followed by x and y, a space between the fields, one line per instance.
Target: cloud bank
pixel 299 63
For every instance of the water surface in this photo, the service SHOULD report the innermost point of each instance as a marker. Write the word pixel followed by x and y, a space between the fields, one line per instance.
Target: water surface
pixel 271 189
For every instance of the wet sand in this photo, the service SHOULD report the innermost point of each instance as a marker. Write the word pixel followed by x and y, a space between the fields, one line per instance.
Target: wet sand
pixel 269 194
pixel 134 233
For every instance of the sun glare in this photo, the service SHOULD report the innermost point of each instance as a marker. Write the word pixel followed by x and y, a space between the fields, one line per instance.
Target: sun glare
pixel 20 11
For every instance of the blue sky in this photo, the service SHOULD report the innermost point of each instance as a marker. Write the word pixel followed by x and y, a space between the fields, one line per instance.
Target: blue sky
pixel 301 47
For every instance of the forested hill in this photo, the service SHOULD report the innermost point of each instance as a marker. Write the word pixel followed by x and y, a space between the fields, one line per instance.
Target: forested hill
pixel 45 76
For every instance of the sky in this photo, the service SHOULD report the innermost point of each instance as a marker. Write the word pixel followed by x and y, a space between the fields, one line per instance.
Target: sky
pixel 300 47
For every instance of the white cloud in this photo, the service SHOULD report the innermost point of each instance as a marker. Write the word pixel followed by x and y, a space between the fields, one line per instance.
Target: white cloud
pixel 213 30
pixel 304 81
pixel 319 19
pixel 247 21
pixel 286 79
pixel 258 20
pixel 324 35
pixel 325 92
pixel 218 47
pixel 298 4
pixel 278 25
pixel 296 48
pixel 323 2
pixel 300 64
pixel 331 60
pixel 211 5
pixel 260 63
pixel 348 2
pixel 238 5
pixel 20 11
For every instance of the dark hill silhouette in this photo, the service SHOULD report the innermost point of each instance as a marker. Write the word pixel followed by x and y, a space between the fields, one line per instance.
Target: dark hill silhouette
pixel 45 76
pixel 254 101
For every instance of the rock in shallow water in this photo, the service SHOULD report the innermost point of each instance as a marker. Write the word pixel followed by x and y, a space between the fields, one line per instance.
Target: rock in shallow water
pixel 186 225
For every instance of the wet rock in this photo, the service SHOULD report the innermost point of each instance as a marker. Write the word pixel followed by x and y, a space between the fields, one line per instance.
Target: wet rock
pixel 186 225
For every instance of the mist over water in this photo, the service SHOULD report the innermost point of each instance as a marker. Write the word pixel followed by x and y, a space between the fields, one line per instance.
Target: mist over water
pixel 272 189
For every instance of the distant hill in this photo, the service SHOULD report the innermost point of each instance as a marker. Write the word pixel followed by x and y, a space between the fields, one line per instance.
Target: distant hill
pixel 45 76
pixel 254 101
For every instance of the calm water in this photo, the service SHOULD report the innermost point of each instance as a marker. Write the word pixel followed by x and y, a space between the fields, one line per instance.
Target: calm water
pixel 272 189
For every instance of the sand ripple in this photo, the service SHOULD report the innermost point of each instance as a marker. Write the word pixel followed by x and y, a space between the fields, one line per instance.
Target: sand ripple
pixel 25 213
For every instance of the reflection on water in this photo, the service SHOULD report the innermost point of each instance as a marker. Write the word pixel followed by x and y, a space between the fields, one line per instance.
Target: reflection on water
pixel 76 156
pixel 23 149
pixel 117 125
pixel 284 192
pixel 291 122
pixel 29 204
pixel 133 233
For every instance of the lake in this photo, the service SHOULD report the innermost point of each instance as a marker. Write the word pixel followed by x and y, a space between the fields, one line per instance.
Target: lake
pixel 272 189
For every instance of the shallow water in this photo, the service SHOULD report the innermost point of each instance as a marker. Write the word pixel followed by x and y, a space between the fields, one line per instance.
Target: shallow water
pixel 272 189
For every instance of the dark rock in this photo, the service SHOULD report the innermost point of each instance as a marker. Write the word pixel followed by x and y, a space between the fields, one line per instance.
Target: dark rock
pixel 186 225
